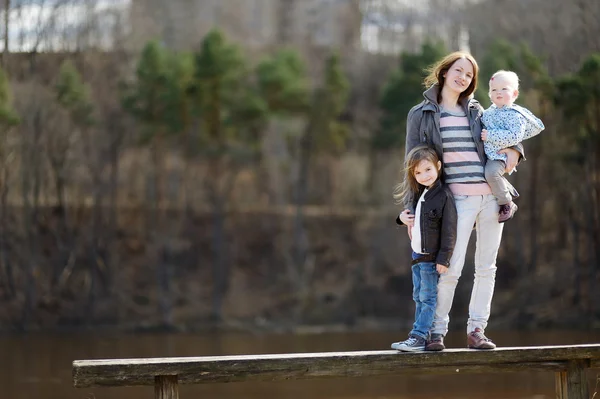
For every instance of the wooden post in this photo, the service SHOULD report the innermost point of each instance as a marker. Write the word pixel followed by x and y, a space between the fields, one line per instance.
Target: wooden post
pixel 165 387
pixel 572 384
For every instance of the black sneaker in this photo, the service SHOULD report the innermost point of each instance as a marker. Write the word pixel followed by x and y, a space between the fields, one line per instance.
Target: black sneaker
pixel 412 344
pixel 435 343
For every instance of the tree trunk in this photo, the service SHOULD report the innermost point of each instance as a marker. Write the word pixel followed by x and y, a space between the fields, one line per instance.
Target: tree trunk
pixel 158 230
pixel 220 188
pixel 30 184
pixel 94 258
pixel 31 250
pixel 113 220
pixel 577 265
pixel 534 206
pixel 300 244
pixel 6 32
pixel 220 266
pixel 4 234
pixel 371 182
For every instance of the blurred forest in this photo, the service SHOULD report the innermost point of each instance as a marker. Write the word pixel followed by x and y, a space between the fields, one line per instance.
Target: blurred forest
pixel 183 165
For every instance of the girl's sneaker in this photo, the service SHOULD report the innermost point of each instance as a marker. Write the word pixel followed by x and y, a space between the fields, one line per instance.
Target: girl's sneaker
pixel 412 344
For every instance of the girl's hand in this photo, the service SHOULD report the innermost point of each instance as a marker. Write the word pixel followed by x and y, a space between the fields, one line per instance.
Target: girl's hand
pixel 406 218
pixel 512 158
pixel 441 269
pixel 484 134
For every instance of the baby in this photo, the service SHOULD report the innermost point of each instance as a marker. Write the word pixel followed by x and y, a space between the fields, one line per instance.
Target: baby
pixel 506 125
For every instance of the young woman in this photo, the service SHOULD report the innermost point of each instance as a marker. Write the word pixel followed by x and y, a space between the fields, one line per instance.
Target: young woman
pixel 449 121
pixel 432 235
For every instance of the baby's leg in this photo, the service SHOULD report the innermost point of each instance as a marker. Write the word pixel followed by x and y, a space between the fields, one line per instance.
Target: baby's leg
pixel 494 170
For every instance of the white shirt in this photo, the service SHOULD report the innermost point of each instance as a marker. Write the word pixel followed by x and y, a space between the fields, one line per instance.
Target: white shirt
pixel 416 229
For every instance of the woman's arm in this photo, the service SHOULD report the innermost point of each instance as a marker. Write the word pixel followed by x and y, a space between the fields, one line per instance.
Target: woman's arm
pixel 413 124
pixel 513 156
pixel 413 137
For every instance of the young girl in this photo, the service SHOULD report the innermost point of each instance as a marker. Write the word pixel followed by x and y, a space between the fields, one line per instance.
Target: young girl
pixel 432 230
pixel 507 124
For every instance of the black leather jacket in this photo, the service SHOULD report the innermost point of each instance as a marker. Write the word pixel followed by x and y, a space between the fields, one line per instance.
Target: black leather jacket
pixel 438 223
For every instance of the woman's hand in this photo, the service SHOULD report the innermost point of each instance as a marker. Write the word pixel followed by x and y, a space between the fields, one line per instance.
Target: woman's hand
pixel 484 134
pixel 441 269
pixel 512 158
pixel 407 218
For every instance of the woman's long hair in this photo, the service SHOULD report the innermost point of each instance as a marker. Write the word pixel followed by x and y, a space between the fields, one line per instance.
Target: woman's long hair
pixel 405 192
pixel 437 71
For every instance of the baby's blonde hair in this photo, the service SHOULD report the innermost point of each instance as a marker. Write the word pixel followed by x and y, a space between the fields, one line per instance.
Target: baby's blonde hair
pixel 511 77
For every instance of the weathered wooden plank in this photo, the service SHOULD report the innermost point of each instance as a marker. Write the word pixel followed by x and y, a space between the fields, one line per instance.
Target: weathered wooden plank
pixel 195 370
pixel 165 387
pixel 572 383
pixel 188 376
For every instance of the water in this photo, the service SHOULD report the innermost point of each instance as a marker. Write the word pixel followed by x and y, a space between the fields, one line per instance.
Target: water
pixel 39 366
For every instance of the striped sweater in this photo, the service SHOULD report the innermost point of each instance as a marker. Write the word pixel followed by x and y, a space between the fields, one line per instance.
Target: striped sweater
pixel 462 167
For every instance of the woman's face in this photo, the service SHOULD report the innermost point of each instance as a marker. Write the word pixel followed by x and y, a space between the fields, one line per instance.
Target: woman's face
pixel 459 76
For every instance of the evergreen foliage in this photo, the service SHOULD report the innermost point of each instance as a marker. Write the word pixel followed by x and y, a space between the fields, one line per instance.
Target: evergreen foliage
pixel 403 90
pixel 73 95
pixel 8 116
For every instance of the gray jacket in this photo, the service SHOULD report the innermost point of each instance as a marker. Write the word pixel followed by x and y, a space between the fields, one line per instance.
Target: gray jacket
pixel 423 126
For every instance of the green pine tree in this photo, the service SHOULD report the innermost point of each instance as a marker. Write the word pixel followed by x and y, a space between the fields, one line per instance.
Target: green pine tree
pixel 403 90
pixel 230 114
pixel 159 99
pixel 326 134
pixel 578 97
pixel 8 116
pixel 147 98
pixel 73 95
pixel 499 55
pixel 283 84
pixel 330 133
pixel 230 109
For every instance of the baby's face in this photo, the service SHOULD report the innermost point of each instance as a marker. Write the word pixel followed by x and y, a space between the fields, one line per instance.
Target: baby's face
pixel 502 93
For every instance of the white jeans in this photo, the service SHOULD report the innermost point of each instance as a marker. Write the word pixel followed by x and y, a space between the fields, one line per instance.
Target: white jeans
pixel 482 209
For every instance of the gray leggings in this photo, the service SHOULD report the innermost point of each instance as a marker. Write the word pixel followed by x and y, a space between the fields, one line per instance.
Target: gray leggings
pixel 494 174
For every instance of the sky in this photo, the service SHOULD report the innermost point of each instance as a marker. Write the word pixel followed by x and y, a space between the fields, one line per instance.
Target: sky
pixel 54 25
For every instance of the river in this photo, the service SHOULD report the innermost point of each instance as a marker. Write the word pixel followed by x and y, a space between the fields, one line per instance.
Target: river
pixel 39 366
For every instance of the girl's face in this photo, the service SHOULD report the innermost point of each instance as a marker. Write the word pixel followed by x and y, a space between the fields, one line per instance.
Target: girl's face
pixel 459 76
pixel 502 93
pixel 426 173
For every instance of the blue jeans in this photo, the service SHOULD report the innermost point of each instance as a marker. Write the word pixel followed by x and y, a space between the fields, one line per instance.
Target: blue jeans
pixel 425 278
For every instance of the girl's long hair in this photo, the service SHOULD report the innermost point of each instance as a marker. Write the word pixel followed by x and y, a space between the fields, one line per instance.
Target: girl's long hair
pixel 405 192
pixel 437 71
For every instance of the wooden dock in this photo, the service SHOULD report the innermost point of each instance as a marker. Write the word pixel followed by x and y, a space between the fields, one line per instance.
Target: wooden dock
pixel 567 362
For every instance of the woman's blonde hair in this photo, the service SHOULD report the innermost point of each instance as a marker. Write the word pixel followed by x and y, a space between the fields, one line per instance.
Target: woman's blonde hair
pixel 405 192
pixel 439 69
